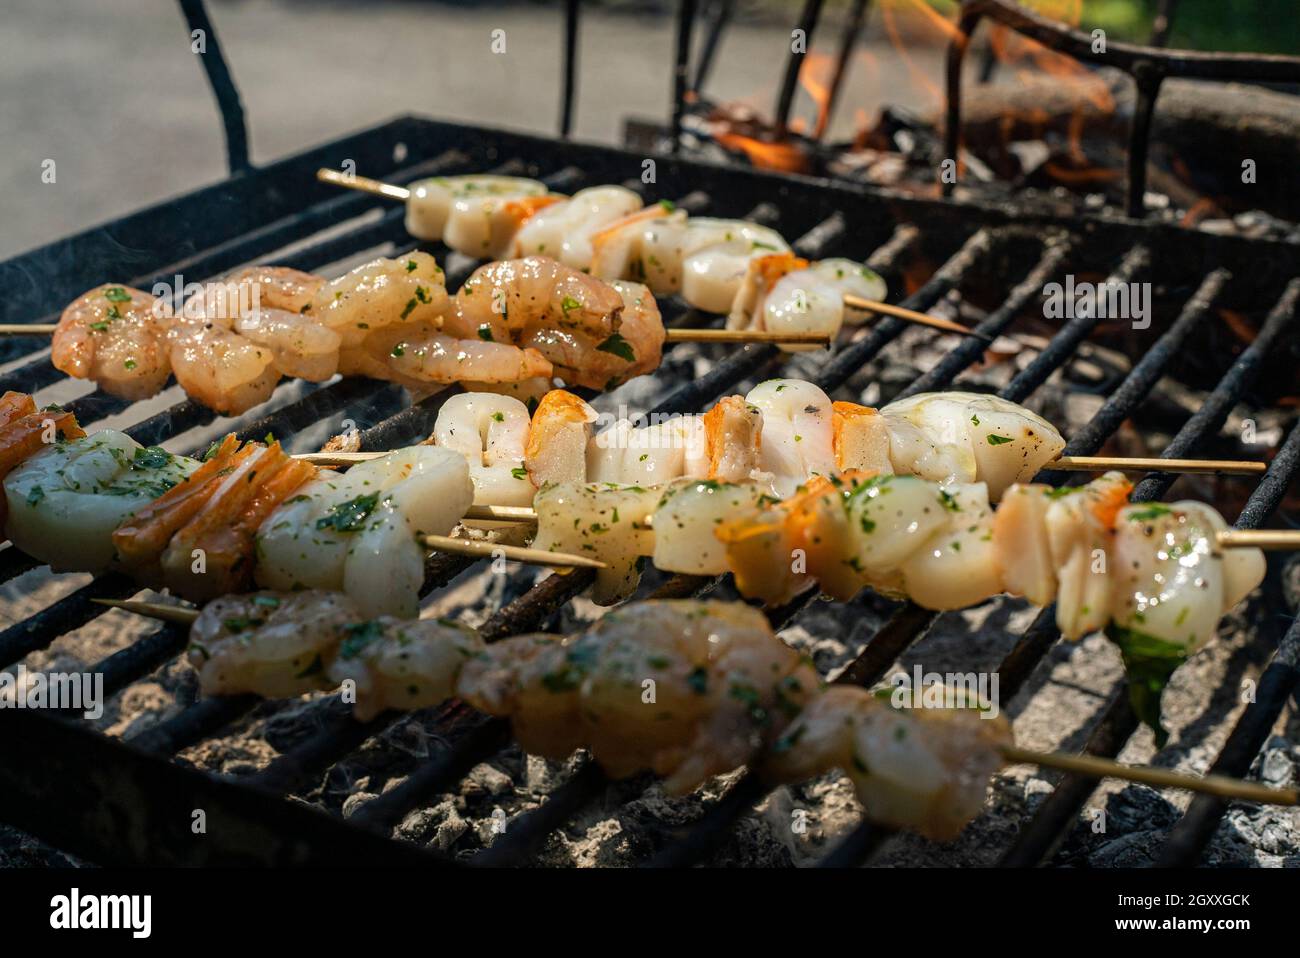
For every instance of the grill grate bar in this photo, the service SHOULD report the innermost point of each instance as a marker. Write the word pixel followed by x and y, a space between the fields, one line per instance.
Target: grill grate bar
pixel 1064 343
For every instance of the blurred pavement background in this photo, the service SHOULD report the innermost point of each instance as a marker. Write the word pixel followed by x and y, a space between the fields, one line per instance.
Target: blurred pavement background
pixel 111 92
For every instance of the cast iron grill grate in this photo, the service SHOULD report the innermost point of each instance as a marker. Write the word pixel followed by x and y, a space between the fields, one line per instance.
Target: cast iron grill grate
pixel 112 802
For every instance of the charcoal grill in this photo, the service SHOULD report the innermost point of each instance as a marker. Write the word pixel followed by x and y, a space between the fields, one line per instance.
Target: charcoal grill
pixel 131 802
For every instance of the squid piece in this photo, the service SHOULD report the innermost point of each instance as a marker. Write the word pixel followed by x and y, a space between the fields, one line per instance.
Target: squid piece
pixel 606 522
pixel 784 293
pixel 686 689
pixel 565 230
pixel 491 432
pixel 65 501
pixel 1080 524
pixel 475 215
pixel 644 247
pixel 686 521
pixel 1172 583
pixel 969 437
pixel 715 256
pixel 358 532
pixel 798 432
pixel 23 436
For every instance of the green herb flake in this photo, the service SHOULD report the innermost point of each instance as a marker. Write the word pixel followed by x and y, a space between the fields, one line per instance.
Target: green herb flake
pixel 619 346
pixel 349 516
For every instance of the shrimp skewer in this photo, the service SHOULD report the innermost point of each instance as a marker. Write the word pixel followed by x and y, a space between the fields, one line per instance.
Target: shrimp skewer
pixel 725 692
pixel 603 230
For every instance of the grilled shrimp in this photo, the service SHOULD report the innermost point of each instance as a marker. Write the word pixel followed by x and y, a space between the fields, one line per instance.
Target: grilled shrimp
pixel 271 644
pixel 920 768
pixel 474 215
pixel 215 364
pixel 358 531
pixel 65 502
pixel 115 335
pixel 400 664
pixel 798 432
pixel 564 230
pixel 280 287
pixel 605 522
pixel 247 320
pixel 491 432
pixel 965 437
pixel 557 439
pixel 574 320
pixel 416 355
pixel 687 689
pixel 385 292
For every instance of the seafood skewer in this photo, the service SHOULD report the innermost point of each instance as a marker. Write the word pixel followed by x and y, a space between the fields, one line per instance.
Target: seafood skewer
pixel 688 689
pixel 605 230
pixel 247 513
pixel 769 435
pixel 229 344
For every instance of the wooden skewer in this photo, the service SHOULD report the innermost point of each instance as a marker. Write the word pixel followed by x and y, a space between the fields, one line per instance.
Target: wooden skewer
pixel 671 335
pixel 1274 540
pixel 487 550
pixel 1232 467
pixel 911 316
pixel 1089 765
pixel 364 184
pixel 744 336
pixel 1096 767
pixel 180 614
pixel 27 329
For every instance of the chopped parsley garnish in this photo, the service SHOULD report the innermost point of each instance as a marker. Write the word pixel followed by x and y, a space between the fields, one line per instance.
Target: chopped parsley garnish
pixel 116 294
pixel 519 472
pixel 35 495
pixel 360 634
pixel 619 346
pixel 151 458
pixel 568 304
pixel 411 265
pixel 996 440
pixel 485 333
pixel 349 516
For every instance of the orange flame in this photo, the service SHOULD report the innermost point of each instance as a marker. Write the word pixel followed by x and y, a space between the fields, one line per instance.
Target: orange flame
pixel 785 157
